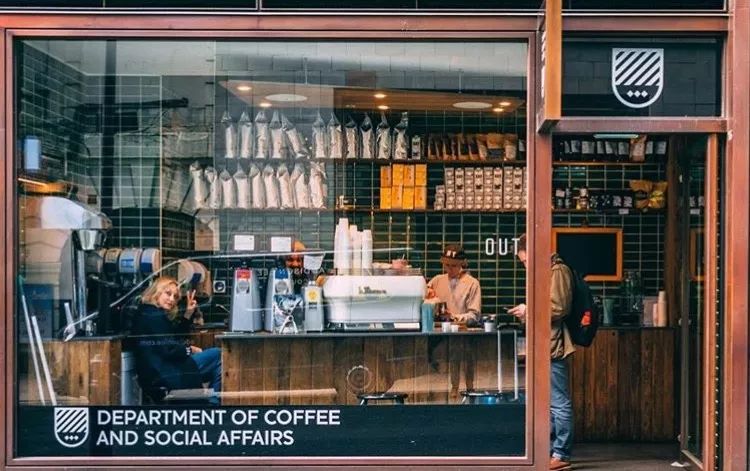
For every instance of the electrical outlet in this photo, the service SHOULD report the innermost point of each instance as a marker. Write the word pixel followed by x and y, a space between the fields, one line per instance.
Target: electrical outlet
pixel 220 286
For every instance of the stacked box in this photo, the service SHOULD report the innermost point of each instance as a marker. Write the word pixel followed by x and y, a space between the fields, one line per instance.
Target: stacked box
pixel 497 189
pixel 420 197
pixel 440 197
pixel 397 176
pixel 385 197
pixel 385 176
pixel 409 175
pixel 397 197
pixel 408 198
pixel 420 175
pixel 508 189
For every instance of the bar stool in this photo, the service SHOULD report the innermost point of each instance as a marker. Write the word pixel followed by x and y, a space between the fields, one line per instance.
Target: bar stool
pixel 483 396
pixel 395 398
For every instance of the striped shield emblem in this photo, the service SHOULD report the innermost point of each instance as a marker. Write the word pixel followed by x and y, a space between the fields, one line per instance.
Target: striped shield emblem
pixel 71 426
pixel 637 75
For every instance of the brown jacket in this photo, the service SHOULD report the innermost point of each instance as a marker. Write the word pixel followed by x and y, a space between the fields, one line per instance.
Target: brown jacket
pixel 561 295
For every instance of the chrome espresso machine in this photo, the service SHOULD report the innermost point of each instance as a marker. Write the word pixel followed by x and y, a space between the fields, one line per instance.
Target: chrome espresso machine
pixel 70 281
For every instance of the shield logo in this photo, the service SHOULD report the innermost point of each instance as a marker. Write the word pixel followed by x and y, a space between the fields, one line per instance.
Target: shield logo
pixel 637 75
pixel 71 426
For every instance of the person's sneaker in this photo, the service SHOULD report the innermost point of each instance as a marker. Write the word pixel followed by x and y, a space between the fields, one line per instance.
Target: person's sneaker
pixel 556 464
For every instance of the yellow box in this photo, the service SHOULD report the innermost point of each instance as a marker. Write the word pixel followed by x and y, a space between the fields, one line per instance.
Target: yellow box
pixel 409 175
pixel 385 197
pixel 398 174
pixel 397 197
pixel 408 197
pixel 420 175
pixel 385 176
pixel 420 197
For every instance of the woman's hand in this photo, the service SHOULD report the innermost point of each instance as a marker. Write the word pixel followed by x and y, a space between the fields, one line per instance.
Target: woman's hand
pixel 194 349
pixel 191 304
pixel 519 311
pixel 430 293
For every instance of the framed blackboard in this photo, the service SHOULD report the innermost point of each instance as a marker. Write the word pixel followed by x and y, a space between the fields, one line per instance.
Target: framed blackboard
pixel 594 252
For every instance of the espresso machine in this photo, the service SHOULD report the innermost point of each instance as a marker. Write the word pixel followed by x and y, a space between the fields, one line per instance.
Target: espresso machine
pixel 59 236
pixel 111 274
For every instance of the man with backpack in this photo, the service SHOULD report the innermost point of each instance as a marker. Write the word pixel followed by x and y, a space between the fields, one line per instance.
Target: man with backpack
pixel 562 289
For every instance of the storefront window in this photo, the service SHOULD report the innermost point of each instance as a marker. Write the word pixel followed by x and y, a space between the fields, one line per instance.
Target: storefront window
pixel 225 248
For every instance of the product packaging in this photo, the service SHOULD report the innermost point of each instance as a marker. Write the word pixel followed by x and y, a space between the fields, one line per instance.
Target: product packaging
pixel 262 136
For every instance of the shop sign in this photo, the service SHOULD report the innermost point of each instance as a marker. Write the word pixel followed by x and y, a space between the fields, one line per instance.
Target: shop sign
pixel 637 75
pixel 456 430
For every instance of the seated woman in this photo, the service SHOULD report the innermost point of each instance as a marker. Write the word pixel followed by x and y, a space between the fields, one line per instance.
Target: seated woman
pixel 163 359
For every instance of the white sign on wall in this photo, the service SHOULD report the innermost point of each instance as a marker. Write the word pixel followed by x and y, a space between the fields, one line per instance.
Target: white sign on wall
pixel 637 75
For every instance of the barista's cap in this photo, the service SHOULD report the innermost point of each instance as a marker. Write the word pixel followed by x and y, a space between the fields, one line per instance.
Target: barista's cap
pixel 455 252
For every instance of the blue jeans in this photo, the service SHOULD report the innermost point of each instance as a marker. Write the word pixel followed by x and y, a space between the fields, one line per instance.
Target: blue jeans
pixel 209 366
pixel 561 411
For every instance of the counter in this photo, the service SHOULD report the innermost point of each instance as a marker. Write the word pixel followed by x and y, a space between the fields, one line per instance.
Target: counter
pixel 332 367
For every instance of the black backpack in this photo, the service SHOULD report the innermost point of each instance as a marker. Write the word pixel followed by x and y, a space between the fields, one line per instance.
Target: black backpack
pixel 583 319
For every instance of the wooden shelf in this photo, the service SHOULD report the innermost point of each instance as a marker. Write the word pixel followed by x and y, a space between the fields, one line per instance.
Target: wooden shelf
pixel 559 163
pixel 617 211
pixel 432 211
pixel 477 163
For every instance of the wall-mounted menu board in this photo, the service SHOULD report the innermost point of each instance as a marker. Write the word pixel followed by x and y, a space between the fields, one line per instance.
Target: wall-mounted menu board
pixel 594 252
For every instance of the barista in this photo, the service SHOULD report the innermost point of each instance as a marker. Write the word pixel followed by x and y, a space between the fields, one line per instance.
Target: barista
pixel 294 263
pixel 456 287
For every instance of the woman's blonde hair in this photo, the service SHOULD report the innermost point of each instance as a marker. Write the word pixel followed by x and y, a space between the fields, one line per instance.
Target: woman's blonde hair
pixel 152 293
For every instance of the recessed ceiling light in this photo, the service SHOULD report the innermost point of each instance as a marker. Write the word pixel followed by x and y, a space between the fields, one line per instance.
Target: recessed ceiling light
pixel 244 88
pixel 504 103
pixel 380 96
pixel 382 107
pixel 498 110
pixel 265 104
pixel 349 105
pixel 286 97
pixel 472 105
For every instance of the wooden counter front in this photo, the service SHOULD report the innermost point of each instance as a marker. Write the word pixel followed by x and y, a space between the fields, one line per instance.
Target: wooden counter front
pixel 331 368
pixel 623 386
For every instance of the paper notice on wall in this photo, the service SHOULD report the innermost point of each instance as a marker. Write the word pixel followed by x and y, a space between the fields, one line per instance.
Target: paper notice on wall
pixel 207 233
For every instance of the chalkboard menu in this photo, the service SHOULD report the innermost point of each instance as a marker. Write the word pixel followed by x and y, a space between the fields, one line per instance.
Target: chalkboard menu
pixel 594 252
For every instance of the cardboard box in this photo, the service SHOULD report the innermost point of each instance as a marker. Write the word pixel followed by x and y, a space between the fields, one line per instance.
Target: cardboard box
pixel 397 174
pixel 420 175
pixel 397 197
pixel 420 197
pixel 409 175
pixel 385 197
pixel 408 198
pixel 385 176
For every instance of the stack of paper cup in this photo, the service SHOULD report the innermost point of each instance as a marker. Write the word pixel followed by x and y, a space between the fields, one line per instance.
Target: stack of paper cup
pixel 661 310
pixel 341 247
pixel 356 250
pixel 367 251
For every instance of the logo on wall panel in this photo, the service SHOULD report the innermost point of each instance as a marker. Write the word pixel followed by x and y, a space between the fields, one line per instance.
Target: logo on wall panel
pixel 71 426
pixel 637 75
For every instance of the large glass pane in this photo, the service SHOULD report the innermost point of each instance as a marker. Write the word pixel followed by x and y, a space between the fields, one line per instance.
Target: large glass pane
pixel 154 175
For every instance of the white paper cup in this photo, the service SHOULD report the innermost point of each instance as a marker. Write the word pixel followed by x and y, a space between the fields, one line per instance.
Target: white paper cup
pixel 446 326
pixel 454 328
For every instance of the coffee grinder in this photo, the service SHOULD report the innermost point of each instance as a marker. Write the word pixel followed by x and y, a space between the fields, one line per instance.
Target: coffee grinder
pixel 246 311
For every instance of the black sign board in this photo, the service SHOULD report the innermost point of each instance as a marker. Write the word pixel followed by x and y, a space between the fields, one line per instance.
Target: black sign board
pixel 464 430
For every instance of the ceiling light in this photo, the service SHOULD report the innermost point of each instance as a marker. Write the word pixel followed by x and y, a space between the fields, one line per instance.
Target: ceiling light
pixel 244 88
pixel 498 110
pixel 286 97
pixel 382 107
pixel 504 103
pixel 472 105
pixel 380 96
pixel 265 104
